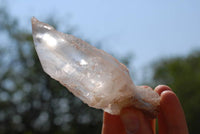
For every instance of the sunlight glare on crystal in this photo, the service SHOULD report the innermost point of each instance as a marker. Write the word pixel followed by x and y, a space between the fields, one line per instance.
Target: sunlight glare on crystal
pixel 47 27
pixel 83 62
pixel 49 40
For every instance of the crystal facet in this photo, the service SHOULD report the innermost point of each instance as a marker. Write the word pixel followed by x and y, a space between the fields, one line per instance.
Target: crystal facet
pixel 92 75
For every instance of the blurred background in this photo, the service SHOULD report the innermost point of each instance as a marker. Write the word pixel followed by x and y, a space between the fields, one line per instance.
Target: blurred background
pixel 158 41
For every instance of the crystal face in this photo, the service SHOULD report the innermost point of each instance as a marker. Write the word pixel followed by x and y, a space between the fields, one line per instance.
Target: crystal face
pixel 91 74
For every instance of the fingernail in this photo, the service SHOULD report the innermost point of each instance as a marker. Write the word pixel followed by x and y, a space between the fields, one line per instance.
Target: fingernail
pixel 131 123
pixel 160 88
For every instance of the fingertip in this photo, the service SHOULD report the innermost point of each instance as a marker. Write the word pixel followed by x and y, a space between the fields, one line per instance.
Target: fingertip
pixel 170 103
pixel 171 118
pixel 169 96
pixel 161 88
pixel 169 100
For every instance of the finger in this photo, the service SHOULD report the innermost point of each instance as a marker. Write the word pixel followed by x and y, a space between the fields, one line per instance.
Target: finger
pixel 171 118
pixel 153 125
pixel 162 126
pixel 112 124
pixel 135 122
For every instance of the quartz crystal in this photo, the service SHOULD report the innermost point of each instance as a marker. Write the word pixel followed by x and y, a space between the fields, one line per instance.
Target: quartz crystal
pixel 91 74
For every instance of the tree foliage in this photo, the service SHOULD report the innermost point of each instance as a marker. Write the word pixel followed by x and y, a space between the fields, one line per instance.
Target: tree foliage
pixel 182 74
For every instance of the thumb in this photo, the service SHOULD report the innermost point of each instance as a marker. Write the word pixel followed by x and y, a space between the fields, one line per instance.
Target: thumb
pixel 135 122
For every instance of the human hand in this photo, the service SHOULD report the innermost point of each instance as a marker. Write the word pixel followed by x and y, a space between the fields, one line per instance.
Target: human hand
pixel 171 118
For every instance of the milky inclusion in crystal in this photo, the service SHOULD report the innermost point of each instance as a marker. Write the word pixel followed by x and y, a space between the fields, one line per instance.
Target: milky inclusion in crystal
pixel 92 75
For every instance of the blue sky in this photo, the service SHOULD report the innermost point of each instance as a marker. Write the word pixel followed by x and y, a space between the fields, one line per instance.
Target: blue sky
pixel 149 29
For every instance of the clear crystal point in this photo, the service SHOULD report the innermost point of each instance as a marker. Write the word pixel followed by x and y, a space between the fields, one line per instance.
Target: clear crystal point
pixel 92 75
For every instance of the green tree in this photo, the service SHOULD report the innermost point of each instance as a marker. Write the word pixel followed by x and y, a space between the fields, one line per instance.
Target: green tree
pixel 182 74
pixel 30 101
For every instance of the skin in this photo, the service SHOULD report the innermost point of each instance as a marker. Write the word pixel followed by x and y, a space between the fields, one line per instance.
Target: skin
pixel 171 118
